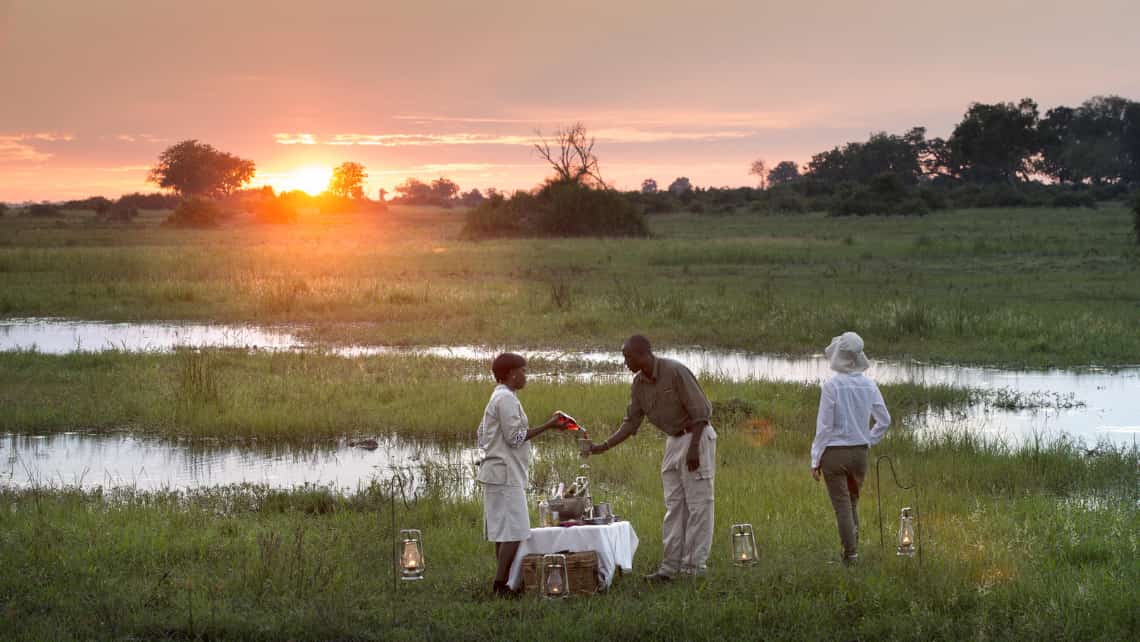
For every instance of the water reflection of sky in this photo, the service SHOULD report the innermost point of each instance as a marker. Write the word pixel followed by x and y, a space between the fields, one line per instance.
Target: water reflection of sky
pixel 1109 398
pixel 150 463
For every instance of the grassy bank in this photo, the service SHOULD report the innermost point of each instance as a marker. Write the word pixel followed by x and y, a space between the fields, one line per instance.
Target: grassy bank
pixel 1026 544
pixel 1015 547
pixel 1012 287
pixel 300 397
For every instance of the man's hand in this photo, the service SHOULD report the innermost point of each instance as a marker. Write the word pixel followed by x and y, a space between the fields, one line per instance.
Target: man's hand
pixel 693 459
pixel 816 474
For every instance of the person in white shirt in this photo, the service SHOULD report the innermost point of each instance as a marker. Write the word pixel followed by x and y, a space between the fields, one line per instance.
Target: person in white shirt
pixel 504 435
pixel 849 402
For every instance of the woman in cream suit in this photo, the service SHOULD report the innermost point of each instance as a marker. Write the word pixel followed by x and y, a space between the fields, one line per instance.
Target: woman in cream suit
pixel 504 436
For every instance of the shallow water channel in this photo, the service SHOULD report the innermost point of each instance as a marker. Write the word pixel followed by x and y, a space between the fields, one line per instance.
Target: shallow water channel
pixel 1093 405
pixel 151 463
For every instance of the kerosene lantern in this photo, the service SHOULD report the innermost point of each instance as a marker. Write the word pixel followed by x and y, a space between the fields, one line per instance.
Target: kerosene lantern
pixel 907 545
pixel 743 545
pixel 555 577
pixel 411 555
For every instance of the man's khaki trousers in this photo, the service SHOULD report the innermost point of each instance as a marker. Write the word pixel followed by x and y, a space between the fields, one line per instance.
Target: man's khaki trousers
pixel 688 527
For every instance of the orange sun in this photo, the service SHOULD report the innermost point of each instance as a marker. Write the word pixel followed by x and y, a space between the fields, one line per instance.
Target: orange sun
pixel 310 179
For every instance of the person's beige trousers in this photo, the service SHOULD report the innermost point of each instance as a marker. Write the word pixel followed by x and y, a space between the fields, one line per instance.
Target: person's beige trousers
pixel 688 529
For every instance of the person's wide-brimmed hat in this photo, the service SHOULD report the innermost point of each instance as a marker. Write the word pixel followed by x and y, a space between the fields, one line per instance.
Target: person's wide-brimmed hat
pixel 845 353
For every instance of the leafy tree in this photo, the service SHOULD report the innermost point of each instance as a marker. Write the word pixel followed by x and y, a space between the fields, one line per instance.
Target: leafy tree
pixel 680 185
pixel 472 198
pixel 413 191
pixel 759 169
pixel 882 153
pixel 649 186
pixel 197 169
pixel 444 189
pixel 572 156
pixel 994 143
pixel 348 180
pixel 1089 144
pixel 783 172
pixel 1055 137
pixel 1130 141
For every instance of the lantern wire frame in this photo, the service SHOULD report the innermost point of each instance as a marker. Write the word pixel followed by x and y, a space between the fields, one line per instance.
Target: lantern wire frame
pixel 398 482
pixel 557 560
pixel 744 530
pixel 879 503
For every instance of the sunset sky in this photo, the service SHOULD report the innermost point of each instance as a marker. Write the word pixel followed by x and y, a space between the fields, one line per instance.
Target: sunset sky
pixel 91 91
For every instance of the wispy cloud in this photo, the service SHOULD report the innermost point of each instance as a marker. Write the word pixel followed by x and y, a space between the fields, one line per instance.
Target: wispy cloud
pixel 672 119
pixel 448 168
pixel 460 119
pixel 140 138
pixel 295 139
pixel 21 148
pixel 402 140
pixel 608 135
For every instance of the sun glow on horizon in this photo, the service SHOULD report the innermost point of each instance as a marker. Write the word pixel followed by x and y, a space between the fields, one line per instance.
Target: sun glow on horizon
pixel 310 179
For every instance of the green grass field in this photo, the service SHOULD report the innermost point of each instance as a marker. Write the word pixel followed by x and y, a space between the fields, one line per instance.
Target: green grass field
pixel 298 397
pixel 1052 287
pixel 1033 543
pixel 1036 545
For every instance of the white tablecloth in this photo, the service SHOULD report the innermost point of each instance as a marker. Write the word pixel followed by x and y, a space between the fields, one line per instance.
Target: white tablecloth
pixel 615 543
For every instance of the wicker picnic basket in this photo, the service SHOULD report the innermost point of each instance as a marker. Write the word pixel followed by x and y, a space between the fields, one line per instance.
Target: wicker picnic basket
pixel 582 569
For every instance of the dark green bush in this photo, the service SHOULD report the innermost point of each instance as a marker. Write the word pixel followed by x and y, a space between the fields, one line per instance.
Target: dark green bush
pixel 153 201
pixel 558 209
pixel 1136 217
pixel 43 210
pixel 933 197
pixel 785 199
pixel 119 213
pixel 97 204
pixel 499 216
pixel 195 212
pixel 570 209
pixel 1074 199
pixel 1001 195
pixel 912 206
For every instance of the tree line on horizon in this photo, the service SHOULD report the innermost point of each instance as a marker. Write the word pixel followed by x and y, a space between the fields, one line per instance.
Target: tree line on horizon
pixel 999 154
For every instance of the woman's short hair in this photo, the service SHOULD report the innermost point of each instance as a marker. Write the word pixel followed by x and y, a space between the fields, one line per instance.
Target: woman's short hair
pixel 504 363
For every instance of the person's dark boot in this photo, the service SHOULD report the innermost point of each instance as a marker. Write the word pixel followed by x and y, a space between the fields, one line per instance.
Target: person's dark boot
pixel 500 589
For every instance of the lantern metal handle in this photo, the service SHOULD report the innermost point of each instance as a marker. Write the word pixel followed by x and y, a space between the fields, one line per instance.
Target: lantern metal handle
pixel 879 501
pixel 398 480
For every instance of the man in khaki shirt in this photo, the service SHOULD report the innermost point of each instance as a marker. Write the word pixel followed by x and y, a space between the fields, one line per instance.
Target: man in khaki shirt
pixel 668 393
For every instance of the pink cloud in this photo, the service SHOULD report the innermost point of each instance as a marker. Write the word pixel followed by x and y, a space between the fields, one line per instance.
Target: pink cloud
pixel 20 148
pixel 608 135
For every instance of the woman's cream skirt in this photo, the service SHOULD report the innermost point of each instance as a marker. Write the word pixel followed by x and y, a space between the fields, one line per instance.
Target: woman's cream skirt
pixel 505 515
